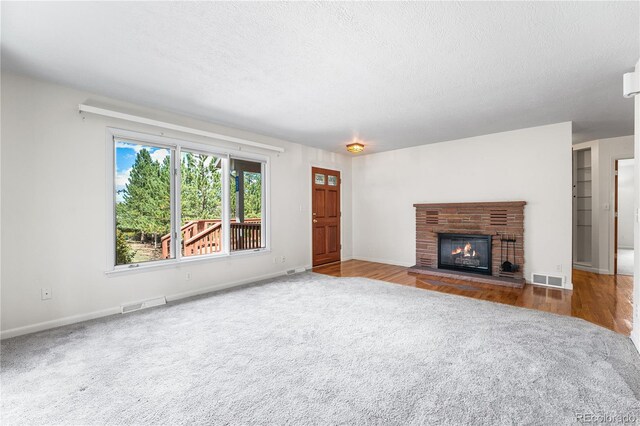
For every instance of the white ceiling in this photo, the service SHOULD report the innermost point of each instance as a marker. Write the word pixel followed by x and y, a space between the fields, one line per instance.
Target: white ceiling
pixel 395 74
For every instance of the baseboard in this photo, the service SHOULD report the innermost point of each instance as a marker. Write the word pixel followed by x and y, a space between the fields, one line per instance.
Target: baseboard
pixel 635 337
pixel 224 286
pixel 591 269
pixel 386 261
pixel 73 319
pixel 46 325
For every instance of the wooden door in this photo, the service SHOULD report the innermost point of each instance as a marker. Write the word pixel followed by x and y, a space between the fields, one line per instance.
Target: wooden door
pixel 615 221
pixel 325 208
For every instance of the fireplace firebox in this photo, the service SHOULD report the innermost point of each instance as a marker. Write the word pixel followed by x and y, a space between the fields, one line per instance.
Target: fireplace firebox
pixel 467 253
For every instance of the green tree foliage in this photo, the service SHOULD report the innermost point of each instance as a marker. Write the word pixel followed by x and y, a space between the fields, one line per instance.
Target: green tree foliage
pixel 147 202
pixel 124 254
pixel 252 195
pixel 201 196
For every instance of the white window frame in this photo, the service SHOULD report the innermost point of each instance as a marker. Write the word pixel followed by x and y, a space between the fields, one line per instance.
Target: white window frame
pixel 176 146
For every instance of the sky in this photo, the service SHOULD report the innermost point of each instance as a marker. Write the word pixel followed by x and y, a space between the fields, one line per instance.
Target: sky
pixel 126 156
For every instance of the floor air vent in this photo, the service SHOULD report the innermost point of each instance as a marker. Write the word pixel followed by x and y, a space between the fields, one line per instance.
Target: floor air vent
pixel 550 280
pixel 143 305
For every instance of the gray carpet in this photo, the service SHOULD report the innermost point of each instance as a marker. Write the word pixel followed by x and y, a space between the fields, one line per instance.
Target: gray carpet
pixel 310 349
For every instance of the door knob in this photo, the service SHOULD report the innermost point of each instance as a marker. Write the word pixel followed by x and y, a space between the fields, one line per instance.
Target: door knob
pixel 315 220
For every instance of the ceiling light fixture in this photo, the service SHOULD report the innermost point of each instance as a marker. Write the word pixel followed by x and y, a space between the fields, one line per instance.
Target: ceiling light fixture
pixel 355 147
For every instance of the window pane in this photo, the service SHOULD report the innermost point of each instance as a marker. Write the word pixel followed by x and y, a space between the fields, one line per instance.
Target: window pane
pixel 246 205
pixel 201 204
pixel 143 202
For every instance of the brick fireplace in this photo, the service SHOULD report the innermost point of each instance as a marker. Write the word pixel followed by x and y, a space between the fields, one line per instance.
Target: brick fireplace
pixel 499 224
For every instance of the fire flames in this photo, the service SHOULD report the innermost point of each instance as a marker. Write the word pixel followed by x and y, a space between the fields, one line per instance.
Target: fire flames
pixel 467 251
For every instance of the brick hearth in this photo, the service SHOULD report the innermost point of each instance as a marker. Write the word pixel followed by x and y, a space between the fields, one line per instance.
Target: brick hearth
pixel 497 219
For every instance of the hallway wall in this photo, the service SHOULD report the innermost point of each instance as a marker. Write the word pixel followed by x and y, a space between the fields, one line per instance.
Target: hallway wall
pixel 625 203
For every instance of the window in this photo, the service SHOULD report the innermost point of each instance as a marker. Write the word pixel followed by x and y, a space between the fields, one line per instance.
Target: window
pixel 246 205
pixel 201 204
pixel 212 202
pixel 143 201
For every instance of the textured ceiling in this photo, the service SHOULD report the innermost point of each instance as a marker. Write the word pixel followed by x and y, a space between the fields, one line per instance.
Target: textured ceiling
pixel 394 74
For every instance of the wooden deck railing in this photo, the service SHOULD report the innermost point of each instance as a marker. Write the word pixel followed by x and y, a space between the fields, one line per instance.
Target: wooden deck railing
pixel 196 226
pixel 205 237
pixel 246 236
pixel 206 242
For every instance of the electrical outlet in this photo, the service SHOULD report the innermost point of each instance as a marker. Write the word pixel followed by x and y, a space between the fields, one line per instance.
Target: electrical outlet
pixel 188 276
pixel 559 268
pixel 283 259
pixel 45 293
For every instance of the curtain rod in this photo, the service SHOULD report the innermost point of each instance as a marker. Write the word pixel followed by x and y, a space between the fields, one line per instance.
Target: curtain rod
pixel 170 126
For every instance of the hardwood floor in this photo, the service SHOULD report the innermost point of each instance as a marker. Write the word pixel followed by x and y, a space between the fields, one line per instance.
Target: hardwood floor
pixel 601 299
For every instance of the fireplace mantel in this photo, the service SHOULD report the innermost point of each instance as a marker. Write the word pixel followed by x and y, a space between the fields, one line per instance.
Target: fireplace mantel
pixel 500 220
pixel 485 204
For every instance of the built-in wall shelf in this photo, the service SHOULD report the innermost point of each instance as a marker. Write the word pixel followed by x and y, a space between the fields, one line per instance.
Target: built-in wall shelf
pixel 582 207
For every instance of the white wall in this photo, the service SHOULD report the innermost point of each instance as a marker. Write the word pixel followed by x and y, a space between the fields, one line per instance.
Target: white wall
pixel 610 150
pixel 635 332
pixel 604 152
pixel 626 202
pixel 533 165
pixel 54 209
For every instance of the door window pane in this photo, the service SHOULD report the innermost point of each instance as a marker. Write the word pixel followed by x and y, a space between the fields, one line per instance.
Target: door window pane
pixel 246 205
pixel 201 204
pixel 143 202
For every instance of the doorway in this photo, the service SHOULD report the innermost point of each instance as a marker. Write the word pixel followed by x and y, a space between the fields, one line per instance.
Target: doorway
pixel 623 245
pixel 325 221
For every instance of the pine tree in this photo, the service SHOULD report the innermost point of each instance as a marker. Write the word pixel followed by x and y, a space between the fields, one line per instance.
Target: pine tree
pixel 146 205
pixel 252 195
pixel 124 254
pixel 201 192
